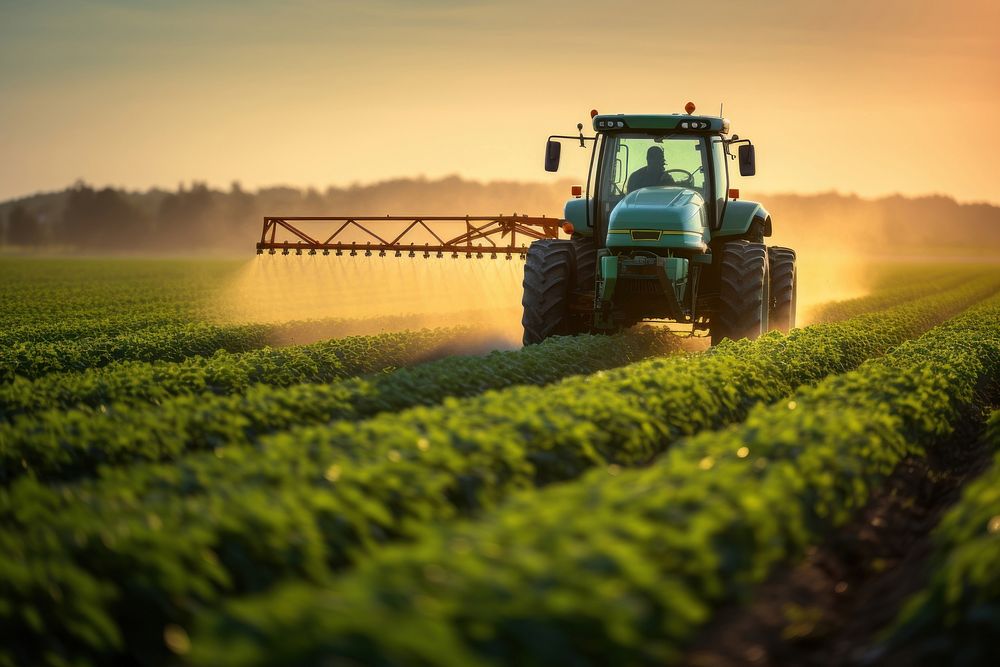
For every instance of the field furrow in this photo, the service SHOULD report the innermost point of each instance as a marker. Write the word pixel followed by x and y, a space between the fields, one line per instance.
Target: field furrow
pixel 305 503
pixel 956 618
pixel 621 567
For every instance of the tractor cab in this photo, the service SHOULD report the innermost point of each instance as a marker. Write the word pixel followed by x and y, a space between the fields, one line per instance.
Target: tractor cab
pixel 678 159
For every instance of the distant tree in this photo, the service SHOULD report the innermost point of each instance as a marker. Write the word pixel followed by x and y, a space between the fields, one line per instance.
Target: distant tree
pixel 313 203
pixel 184 219
pixel 23 227
pixel 241 206
pixel 102 220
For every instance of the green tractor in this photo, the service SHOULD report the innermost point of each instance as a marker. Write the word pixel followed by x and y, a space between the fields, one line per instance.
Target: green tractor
pixel 659 235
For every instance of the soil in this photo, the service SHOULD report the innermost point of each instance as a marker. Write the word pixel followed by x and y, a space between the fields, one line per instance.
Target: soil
pixel 828 609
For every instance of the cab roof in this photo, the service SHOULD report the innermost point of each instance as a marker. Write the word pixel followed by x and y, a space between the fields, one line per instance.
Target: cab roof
pixel 671 121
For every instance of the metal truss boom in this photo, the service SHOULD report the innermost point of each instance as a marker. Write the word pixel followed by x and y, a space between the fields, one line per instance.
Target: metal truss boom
pixel 477 235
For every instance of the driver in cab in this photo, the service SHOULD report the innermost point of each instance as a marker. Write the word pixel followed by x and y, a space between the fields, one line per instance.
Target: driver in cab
pixel 653 173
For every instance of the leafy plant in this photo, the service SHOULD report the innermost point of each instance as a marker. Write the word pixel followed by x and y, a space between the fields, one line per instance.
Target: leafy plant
pixel 621 567
pixel 168 539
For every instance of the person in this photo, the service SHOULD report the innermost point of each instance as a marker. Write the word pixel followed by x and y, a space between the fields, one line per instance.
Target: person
pixel 653 173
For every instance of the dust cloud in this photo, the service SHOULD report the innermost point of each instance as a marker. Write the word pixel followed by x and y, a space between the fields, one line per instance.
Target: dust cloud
pixel 828 274
pixel 834 251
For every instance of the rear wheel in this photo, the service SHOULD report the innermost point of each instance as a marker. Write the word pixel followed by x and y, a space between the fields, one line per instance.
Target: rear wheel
pixel 744 286
pixel 586 263
pixel 549 280
pixel 784 285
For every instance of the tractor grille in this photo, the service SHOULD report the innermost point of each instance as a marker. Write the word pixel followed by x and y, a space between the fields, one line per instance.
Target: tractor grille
pixel 645 236
pixel 638 286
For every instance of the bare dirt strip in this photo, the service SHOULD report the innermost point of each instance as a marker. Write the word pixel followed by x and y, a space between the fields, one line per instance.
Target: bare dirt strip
pixel 828 610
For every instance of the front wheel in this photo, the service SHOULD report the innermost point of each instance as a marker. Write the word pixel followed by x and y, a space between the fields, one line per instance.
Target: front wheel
pixel 744 292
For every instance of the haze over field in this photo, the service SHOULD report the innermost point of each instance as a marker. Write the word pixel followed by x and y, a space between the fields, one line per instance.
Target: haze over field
pixel 855 96
pixel 838 239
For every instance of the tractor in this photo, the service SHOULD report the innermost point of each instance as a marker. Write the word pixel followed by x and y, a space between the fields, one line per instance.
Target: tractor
pixel 659 235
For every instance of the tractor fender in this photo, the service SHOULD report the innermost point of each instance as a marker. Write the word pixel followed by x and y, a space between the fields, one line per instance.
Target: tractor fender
pixel 575 212
pixel 739 215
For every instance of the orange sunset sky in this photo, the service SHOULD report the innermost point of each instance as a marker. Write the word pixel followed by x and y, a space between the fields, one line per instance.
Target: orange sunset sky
pixel 858 96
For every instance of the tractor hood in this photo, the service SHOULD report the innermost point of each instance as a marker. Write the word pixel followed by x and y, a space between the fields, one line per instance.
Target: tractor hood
pixel 665 216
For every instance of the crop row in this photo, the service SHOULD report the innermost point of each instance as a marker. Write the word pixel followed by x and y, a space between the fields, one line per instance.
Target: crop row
pixel 217 421
pixel 621 567
pixel 78 325
pixel 82 326
pixel 57 444
pixel 168 538
pixel 955 620
pixel 48 292
pixel 893 292
pixel 179 341
pixel 226 373
pixel 169 343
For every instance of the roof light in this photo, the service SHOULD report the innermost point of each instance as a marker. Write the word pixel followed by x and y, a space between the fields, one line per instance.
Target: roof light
pixel 593 112
pixel 568 227
pixel 689 107
pixel 576 190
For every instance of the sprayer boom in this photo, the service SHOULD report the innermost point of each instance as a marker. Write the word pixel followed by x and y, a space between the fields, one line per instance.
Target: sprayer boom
pixel 476 235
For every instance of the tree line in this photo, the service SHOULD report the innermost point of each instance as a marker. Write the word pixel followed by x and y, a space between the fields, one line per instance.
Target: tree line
pixel 198 218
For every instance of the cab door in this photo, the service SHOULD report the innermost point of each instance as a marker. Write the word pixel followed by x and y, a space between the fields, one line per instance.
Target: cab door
pixel 720 181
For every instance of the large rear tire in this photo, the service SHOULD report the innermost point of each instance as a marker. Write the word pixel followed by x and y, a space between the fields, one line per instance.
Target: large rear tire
pixel 784 287
pixel 744 292
pixel 585 252
pixel 549 279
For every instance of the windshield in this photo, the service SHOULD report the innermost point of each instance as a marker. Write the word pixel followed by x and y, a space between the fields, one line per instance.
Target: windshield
pixel 636 161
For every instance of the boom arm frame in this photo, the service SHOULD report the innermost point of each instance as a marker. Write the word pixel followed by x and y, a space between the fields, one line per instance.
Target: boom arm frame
pixel 480 235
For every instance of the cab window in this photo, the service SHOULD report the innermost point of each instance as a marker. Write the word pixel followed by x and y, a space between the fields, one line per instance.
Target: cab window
pixel 636 161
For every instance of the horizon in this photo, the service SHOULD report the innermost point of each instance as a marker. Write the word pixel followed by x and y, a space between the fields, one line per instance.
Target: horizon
pixel 836 98
pixel 216 187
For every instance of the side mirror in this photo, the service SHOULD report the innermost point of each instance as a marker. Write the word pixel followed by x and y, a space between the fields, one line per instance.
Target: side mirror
pixel 553 151
pixel 748 160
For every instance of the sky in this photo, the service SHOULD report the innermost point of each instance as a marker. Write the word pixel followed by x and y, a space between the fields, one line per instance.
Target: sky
pixel 872 98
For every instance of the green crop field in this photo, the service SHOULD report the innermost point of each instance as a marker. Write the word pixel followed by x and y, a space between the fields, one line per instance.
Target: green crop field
pixel 180 488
